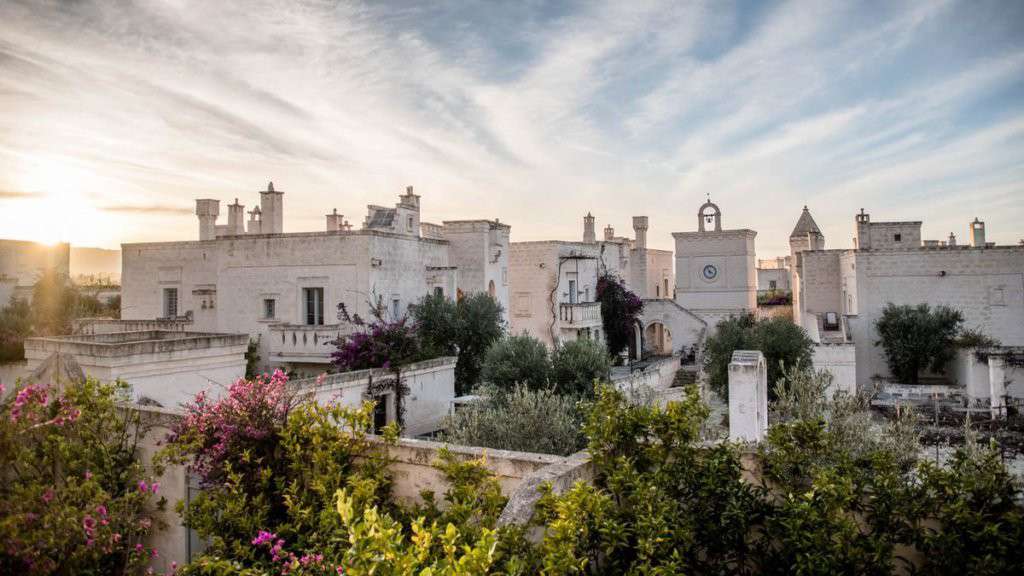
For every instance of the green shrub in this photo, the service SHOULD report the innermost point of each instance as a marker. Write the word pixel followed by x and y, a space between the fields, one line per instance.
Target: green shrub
pixel 782 343
pixel 519 419
pixel 517 360
pixel 576 365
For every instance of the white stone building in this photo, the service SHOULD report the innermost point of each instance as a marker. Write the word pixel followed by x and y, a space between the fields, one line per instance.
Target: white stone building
pixel 554 289
pixel 773 275
pixel 285 288
pixel 163 366
pixel 23 262
pixel 716 272
pixel 840 294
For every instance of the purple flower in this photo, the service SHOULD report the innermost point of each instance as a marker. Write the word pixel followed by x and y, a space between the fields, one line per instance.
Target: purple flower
pixel 142 486
pixel 263 537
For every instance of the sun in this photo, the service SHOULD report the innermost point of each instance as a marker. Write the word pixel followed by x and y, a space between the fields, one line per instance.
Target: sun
pixel 59 209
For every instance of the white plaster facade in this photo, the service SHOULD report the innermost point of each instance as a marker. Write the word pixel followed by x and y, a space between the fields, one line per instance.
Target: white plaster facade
pixel 553 283
pixel 168 367
pixel 773 275
pixel 716 272
pixel 748 396
pixel 983 281
pixel 285 288
pixel 431 386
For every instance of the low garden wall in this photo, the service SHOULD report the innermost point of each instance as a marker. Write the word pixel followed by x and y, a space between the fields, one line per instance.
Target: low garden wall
pixel 412 470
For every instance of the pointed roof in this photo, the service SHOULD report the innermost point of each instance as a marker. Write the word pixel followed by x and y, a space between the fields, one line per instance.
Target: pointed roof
pixel 805 225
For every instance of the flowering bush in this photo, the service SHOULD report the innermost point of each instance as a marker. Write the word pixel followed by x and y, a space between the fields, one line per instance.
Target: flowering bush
pixel 283 477
pixel 74 498
pixel 620 309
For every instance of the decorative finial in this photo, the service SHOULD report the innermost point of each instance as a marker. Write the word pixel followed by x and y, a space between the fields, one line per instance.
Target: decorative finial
pixel 408 189
pixel 270 186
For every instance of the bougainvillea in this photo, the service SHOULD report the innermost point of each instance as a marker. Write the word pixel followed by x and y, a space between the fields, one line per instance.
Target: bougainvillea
pixel 620 309
pixel 73 496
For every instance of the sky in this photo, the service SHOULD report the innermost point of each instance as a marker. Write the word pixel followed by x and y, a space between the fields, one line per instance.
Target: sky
pixel 115 116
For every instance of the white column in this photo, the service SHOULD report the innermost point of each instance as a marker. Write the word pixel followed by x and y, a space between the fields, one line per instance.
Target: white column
pixel 997 385
pixel 748 396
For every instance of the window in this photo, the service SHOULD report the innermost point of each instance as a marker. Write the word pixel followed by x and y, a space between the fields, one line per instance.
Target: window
pixel 396 305
pixel 572 292
pixel 438 291
pixel 657 291
pixel 771 284
pixel 408 224
pixel 170 302
pixel 897 237
pixel 313 302
pixel 665 292
pixel 269 308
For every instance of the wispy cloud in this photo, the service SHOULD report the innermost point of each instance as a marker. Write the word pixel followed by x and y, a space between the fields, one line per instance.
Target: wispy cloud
pixel 531 112
pixel 10 194
pixel 152 209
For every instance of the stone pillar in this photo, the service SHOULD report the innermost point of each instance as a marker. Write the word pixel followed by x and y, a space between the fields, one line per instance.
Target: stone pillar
pixel 207 210
pixel 589 235
pixel 978 233
pixel 335 221
pixel 640 230
pixel 271 210
pixel 748 396
pixel 997 385
pixel 236 219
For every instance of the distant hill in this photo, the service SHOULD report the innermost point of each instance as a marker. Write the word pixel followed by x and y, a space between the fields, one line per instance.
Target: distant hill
pixel 98 263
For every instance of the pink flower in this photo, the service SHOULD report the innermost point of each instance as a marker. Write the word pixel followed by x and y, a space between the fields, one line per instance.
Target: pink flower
pixel 138 547
pixel 48 495
pixel 88 475
pixel 142 486
pixel 89 524
pixel 115 537
pixel 154 487
pixel 101 510
pixel 263 537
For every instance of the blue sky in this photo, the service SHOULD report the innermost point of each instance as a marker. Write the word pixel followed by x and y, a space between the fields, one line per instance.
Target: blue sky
pixel 115 116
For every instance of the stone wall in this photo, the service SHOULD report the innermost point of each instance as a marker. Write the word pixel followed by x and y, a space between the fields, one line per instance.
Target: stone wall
pixel 412 473
pixel 431 386
pixel 841 361
pixel 985 284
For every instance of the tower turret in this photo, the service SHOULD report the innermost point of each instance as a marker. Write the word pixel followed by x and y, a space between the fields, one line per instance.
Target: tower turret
pixel 271 210
pixel 588 229
pixel 207 211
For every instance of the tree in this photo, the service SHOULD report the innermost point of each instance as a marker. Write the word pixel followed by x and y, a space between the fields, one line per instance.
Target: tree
pixel 916 338
pixel 15 326
pixel 436 323
pixel 517 360
pixel 619 311
pixel 466 329
pixel 576 365
pixel 54 304
pixel 479 326
pixel 778 339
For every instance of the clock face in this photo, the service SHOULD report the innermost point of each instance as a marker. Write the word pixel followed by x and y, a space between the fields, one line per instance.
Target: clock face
pixel 709 272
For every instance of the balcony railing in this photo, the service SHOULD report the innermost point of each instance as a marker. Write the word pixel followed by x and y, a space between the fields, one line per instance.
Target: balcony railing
pixel 304 343
pixel 581 314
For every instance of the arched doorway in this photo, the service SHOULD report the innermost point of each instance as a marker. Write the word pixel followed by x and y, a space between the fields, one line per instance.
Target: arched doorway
pixel 658 338
pixel 636 343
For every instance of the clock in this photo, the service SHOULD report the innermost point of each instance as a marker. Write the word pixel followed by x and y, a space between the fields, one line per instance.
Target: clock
pixel 709 273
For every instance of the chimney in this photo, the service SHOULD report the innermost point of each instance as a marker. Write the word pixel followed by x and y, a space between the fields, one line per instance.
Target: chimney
pixel 335 221
pixel 952 240
pixel 863 238
pixel 977 233
pixel 609 233
pixel 640 230
pixel 271 210
pixel 207 210
pixel 588 229
pixel 236 219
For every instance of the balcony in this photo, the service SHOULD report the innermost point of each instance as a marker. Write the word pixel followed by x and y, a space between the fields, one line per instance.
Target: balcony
pixel 580 315
pixel 304 343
